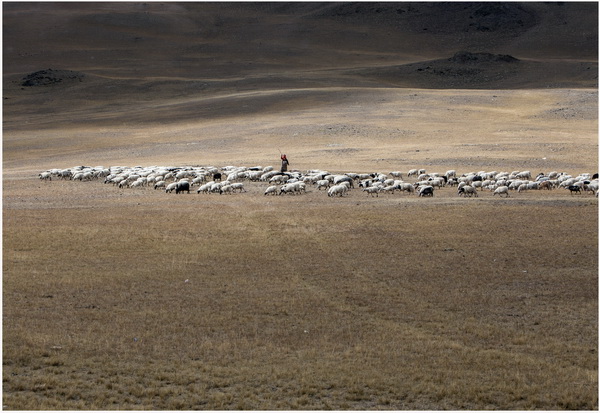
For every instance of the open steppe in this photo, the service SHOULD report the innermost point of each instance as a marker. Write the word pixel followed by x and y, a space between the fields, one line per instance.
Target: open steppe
pixel 138 299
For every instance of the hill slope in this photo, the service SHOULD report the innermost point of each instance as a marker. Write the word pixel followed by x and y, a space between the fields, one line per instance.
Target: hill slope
pixel 233 40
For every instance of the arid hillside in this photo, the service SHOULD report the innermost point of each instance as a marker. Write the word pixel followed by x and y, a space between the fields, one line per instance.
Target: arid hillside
pixel 129 68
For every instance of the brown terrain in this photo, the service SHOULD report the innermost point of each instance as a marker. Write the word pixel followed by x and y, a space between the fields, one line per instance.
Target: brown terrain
pixel 133 298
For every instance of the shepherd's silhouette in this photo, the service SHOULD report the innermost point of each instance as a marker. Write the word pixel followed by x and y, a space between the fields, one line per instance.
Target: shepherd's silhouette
pixel 284 163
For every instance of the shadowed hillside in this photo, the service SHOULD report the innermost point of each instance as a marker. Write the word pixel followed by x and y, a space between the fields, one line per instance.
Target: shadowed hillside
pixel 232 40
pixel 91 59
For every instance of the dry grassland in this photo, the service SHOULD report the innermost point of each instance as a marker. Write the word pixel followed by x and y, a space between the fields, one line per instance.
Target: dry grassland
pixel 137 299
pixel 125 299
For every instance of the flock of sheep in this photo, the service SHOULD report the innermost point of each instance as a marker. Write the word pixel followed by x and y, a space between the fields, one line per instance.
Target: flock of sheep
pixel 230 179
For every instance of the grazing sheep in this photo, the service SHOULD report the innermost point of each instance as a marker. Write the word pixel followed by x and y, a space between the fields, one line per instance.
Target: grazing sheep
pixel 65 174
pixel 238 186
pixel 406 187
pixel 170 187
pixel 197 180
pixel 364 183
pixel 467 190
pixel 501 190
pixel 272 190
pixel 280 179
pixel 527 186
pixel 216 187
pixel 574 189
pixel 225 189
pixel 45 176
pixel 254 175
pixel 336 190
pixel 322 183
pixel 206 187
pixel 592 187
pixel 136 184
pixel 288 188
pixel 338 179
pixel 437 182
pixel 524 175
pixel 426 190
pixel 372 190
pixel 182 186
pixel 477 184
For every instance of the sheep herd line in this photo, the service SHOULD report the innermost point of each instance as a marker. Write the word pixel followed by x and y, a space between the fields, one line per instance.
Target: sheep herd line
pixel 231 179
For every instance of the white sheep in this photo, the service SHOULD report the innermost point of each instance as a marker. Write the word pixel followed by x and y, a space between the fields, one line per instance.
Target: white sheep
pixel 205 188
pixel 216 187
pixel 468 190
pixel 238 186
pixel 406 187
pixel 281 179
pixel 225 189
pixel 525 186
pixel 336 190
pixel 338 179
pixel 267 175
pixel 137 183
pixel 287 188
pixel 272 190
pixel 501 190
pixel 372 190
pixel 254 175
pixel 388 189
pixel 437 182
pixel 322 183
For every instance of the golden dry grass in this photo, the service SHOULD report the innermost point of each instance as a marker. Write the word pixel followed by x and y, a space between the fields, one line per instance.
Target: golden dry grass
pixel 252 302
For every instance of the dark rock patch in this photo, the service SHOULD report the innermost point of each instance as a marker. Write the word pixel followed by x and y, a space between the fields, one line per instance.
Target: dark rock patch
pixel 468 57
pixel 51 76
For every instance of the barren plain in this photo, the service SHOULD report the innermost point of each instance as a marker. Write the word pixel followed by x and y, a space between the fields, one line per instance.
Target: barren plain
pixel 132 298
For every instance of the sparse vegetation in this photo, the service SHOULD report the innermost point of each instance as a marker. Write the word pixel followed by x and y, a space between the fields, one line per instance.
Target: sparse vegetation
pixel 315 306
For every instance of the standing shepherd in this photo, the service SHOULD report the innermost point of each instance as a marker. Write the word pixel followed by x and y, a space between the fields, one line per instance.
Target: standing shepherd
pixel 284 163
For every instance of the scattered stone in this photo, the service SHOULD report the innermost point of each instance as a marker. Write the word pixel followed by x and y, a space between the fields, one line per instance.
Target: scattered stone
pixel 50 77
pixel 469 57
